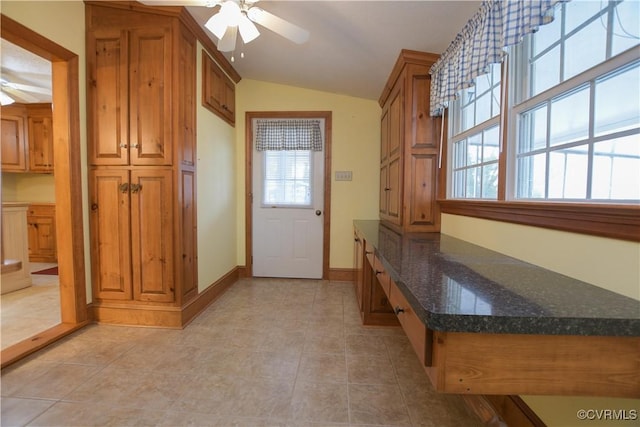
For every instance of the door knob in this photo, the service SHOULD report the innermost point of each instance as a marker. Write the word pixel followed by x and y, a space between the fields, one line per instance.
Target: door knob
pixel 318 212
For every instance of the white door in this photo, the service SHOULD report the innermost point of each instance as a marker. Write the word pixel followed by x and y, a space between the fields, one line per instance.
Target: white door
pixel 288 198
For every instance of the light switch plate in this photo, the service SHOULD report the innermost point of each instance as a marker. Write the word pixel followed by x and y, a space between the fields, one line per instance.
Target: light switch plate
pixel 343 175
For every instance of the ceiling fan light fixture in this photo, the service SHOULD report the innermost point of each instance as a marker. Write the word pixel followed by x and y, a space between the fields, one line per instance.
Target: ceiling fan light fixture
pixel 248 30
pixel 217 24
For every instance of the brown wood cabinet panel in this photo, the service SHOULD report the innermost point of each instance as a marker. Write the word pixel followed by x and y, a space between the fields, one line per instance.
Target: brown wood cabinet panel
pixel 411 324
pixel 150 96
pixel 422 198
pixel 108 68
pixel 188 221
pixel 409 164
pixel 41 227
pixel 41 143
pixel 14 158
pixel 218 91
pixel 110 234
pixel 358 257
pixel 152 235
pixel 186 98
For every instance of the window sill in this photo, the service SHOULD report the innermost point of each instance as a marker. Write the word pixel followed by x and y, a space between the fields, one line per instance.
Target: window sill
pixel 613 221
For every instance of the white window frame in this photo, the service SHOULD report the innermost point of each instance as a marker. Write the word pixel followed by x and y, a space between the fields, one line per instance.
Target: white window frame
pixel 519 81
pixel 477 130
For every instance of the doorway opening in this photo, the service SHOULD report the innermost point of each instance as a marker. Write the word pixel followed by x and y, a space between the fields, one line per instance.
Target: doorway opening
pixel 68 186
pixel 322 207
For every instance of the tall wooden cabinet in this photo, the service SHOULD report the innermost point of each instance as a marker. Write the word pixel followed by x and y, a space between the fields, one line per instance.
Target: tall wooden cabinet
pixel 409 146
pixel 141 118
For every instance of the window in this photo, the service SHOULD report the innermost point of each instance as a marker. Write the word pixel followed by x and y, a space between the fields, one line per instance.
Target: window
pixel 574 131
pixel 475 131
pixel 577 115
pixel 287 178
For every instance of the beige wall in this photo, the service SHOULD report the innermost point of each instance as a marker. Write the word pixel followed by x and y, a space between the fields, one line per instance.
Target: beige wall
pixel 355 147
pixel 28 187
pixel 216 192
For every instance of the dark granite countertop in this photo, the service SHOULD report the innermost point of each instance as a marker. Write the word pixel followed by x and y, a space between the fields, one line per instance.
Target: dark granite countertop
pixel 456 286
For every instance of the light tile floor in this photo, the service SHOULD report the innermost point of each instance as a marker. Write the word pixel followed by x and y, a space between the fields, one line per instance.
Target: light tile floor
pixel 269 352
pixel 31 310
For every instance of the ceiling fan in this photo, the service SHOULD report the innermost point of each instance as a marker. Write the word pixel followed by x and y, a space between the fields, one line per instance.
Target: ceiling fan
pixel 12 91
pixel 240 16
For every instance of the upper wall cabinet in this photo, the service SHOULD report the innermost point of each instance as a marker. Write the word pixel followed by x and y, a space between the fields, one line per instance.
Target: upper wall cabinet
pixel 409 147
pixel 130 92
pixel 27 138
pixel 14 153
pixel 218 90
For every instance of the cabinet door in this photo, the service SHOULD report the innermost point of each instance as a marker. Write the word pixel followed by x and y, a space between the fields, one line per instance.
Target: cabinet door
pixel 219 92
pixel 188 221
pixel 13 144
pixel 152 235
pixel 41 222
pixel 358 259
pixel 40 144
pixel 394 159
pixel 110 234
pixel 108 120
pixel 150 103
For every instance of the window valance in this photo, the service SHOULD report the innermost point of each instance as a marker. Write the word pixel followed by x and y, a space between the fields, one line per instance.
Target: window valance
pixel 498 24
pixel 288 134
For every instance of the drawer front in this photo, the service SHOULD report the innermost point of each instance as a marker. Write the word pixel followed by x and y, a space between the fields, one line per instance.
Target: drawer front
pixel 382 275
pixel 414 328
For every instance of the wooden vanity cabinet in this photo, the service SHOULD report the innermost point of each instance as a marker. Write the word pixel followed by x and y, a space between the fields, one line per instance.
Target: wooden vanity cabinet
pixel 41 230
pixel 409 146
pixel 141 71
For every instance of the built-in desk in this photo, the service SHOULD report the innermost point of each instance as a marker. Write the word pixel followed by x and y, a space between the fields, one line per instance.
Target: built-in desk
pixel 485 323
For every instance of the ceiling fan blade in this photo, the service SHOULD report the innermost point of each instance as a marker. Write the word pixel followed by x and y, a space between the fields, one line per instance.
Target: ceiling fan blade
pixel 278 25
pixel 248 30
pixel 30 88
pixel 19 95
pixel 217 24
pixel 228 42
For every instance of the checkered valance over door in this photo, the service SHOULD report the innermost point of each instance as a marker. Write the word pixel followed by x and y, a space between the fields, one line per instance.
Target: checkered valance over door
pixel 498 24
pixel 288 134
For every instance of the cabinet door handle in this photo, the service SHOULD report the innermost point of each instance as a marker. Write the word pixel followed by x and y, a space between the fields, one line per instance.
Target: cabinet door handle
pixel 124 187
pixel 379 272
pixel 135 188
pixel 136 145
pixel 387 189
pixel 398 310
pixel 123 146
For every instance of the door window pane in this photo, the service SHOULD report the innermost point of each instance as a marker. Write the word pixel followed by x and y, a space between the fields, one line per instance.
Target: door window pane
pixel 287 178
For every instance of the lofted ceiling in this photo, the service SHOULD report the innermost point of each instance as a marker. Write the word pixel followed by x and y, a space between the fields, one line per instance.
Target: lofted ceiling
pixel 353 44
pixel 24 76
pixel 352 48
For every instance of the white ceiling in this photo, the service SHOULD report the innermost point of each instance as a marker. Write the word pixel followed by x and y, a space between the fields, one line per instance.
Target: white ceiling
pixel 20 67
pixel 353 44
pixel 351 50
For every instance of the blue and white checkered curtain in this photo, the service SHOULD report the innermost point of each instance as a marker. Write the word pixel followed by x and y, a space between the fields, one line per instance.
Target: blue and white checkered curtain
pixel 288 134
pixel 498 24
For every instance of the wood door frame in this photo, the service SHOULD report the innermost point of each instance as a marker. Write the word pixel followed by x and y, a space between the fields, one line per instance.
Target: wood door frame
pixel 326 233
pixel 68 185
